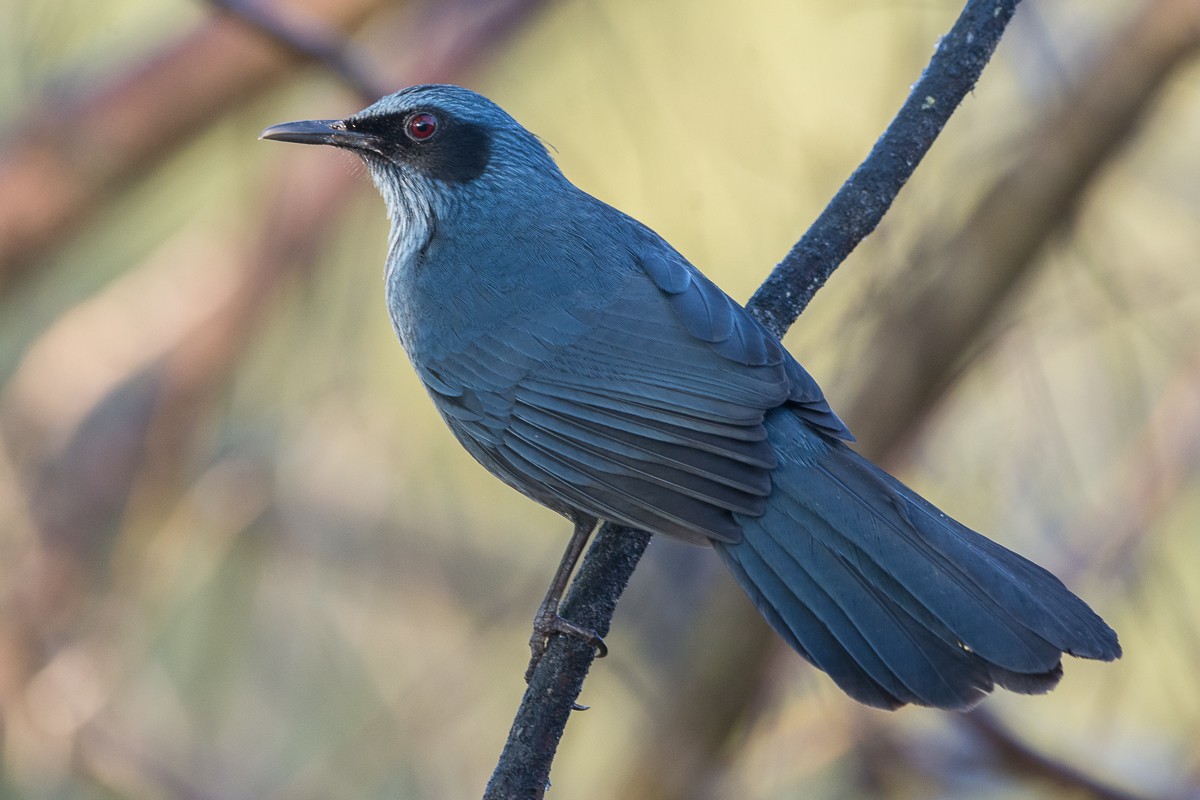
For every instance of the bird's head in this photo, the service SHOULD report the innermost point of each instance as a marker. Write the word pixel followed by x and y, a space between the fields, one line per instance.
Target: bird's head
pixel 429 147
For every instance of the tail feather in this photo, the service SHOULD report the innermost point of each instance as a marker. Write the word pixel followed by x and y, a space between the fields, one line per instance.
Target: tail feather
pixel 880 636
pixel 1034 682
pixel 895 600
pixel 936 553
pixel 803 630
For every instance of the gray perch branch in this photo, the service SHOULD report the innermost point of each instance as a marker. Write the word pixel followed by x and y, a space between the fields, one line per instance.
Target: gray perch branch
pixel 523 770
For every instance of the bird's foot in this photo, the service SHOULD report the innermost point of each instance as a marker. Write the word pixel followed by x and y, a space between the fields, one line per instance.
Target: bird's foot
pixel 546 623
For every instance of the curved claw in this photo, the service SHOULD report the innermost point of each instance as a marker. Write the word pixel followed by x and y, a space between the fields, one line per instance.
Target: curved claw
pixel 546 625
pixel 598 643
pixel 557 624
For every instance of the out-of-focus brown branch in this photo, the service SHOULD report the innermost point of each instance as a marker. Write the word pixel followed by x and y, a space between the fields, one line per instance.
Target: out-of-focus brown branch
pixel 177 335
pixel 308 41
pixel 450 35
pixel 64 157
pixel 170 333
pixel 920 338
pixel 437 43
pixel 1156 467
pixel 1021 758
pixel 887 755
pixel 921 341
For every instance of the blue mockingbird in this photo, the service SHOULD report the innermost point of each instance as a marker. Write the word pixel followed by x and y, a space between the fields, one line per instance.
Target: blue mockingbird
pixel 588 365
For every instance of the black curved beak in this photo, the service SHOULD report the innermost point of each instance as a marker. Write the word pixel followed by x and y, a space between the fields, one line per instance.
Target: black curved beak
pixel 319 131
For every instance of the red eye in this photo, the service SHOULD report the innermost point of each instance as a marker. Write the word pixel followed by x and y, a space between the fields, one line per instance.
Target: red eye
pixel 421 126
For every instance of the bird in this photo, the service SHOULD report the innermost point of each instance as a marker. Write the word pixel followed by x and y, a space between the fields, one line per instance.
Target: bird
pixel 586 363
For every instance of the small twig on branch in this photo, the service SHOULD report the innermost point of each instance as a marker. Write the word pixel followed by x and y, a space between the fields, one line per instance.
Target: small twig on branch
pixel 524 767
pixel 311 41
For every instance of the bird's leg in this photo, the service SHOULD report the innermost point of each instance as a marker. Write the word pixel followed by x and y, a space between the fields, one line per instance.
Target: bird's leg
pixel 547 621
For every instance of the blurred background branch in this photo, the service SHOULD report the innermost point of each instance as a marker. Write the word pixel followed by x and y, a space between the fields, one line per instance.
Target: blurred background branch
pixel 71 152
pixel 173 331
pixel 967 275
pixel 310 42
pixel 927 330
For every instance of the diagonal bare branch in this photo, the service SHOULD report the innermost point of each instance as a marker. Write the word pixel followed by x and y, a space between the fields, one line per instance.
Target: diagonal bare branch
pixel 524 767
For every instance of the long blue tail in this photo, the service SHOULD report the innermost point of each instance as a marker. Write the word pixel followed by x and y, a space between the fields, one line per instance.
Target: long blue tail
pixel 895 600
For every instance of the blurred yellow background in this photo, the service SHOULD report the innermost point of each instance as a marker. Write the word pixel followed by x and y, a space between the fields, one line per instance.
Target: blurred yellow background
pixel 241 557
